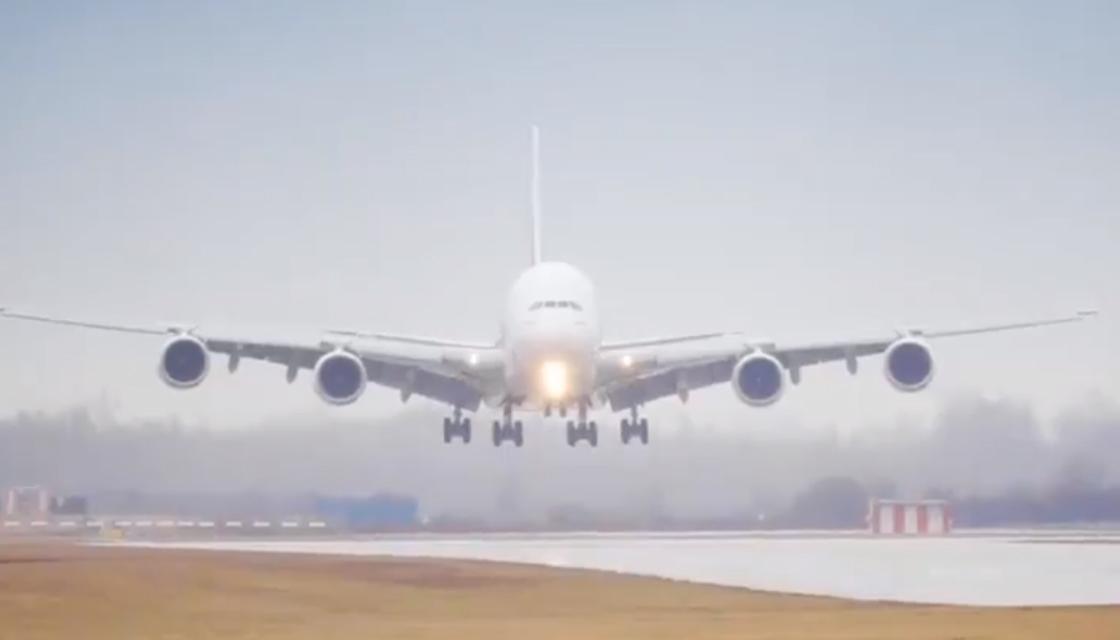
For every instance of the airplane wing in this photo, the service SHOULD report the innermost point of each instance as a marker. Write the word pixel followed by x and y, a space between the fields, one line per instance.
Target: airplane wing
pixel 639 372
pixel 659 342
pixel 457 374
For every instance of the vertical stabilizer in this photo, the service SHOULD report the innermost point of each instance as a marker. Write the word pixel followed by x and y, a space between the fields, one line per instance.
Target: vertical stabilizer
pixel 535 189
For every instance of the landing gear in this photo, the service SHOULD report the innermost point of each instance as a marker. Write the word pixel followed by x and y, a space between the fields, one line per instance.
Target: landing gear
pixel 508 429
pixel 582 429
pixel 511 431
pixel 635 428
pixel 457 427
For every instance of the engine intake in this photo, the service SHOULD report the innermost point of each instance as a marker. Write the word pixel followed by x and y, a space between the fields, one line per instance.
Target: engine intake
pixel 340 377
pixel 909 365
pixel 184 362
pixel 758 380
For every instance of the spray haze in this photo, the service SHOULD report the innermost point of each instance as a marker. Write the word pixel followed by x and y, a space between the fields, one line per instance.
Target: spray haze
pixel 974 448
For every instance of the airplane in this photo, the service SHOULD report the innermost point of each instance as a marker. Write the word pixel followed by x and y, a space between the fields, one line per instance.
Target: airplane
pixel 549 357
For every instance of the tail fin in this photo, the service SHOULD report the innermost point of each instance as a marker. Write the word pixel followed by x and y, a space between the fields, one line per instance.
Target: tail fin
pixel 535 189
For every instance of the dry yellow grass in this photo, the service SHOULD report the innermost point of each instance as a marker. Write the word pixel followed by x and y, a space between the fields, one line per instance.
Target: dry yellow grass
pixel 64 591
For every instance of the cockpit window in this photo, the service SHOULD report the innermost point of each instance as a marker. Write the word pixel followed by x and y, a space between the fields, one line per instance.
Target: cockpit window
pixel 555 304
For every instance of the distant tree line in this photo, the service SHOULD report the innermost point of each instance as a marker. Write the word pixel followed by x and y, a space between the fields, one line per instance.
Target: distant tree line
pixel 994 460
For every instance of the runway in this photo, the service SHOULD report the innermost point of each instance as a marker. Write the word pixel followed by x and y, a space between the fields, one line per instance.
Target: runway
pixel 995 568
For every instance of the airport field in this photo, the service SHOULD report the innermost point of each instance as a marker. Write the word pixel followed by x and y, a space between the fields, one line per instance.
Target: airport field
pixel 59 590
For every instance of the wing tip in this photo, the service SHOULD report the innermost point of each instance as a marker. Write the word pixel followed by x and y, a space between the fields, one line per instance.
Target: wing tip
pixel 1081 313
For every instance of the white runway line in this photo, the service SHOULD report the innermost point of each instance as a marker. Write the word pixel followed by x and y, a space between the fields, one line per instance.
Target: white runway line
pixel 967 570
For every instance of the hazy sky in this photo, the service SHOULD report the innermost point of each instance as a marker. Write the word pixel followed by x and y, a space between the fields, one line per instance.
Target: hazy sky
pixel 793 170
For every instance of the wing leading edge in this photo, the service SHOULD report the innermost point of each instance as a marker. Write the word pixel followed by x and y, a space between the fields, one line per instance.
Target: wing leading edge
pixel 643 371
pixel 457 374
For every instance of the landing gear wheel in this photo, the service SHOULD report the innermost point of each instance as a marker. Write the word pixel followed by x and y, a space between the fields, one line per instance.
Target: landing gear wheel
pixel 635 428
pixel 511 431
pixel 456 427
pixel 588 431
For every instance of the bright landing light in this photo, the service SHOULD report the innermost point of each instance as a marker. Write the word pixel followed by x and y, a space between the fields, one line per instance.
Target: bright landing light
pixel 554 379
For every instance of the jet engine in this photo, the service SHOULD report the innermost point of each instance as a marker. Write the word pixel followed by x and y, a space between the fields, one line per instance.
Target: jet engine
pixel 340 377
pixel 909 365
pixel 184 362
pixel 758 379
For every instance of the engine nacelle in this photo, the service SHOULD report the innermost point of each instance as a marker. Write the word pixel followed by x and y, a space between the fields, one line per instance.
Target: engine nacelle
pixel 340 377
pixel 184 362
pixel 758 379
pixel 908 365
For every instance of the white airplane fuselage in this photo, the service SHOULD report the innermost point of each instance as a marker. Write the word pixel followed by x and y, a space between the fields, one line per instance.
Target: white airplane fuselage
pixel 551 337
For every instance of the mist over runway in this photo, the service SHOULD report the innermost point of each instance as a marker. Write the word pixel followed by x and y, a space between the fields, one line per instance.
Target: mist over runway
pixel 997 568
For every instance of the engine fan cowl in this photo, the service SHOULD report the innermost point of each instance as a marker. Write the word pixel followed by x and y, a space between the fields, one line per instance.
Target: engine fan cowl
pixel 758 380
pixel 184 362
pixel 908 365
pixel 340 377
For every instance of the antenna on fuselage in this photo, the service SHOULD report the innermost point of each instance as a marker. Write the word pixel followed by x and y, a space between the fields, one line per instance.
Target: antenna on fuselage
pixel 535 194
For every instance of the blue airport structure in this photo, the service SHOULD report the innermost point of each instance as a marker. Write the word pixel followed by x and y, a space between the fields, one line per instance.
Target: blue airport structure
pixel 371 512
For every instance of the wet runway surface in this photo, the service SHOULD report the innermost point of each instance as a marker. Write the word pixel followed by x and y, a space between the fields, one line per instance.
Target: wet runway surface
pixel 1005 568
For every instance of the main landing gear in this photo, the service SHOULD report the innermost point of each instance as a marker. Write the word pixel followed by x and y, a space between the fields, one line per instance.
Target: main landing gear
pixel 635 428
pixel 508 429
pixel 457 427
pixel 582 429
